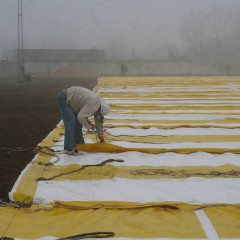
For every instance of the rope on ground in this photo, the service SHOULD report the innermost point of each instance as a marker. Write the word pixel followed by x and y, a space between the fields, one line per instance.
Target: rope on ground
pixel 12 151
pixel 51 152
pixel 89 235
pixel 13 204
pixel 39 149
pixel 81 168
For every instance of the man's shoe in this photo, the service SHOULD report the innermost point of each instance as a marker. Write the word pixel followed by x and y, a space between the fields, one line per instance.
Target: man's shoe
pixel 72 152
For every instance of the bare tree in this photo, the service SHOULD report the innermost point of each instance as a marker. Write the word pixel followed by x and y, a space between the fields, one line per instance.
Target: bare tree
pixel 213 36
pixel 193 31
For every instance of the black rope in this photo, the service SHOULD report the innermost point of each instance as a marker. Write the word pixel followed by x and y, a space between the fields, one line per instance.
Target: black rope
pixel 51 152
pixel 13 204
pixel 12 151
pixel 81 168
pixel 89 235
pixel 39 149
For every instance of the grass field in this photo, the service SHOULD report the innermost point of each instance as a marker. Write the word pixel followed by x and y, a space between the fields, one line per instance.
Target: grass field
pixel 28 112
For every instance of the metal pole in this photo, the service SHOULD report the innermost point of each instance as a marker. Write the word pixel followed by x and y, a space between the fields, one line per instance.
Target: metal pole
pixel 18 42
pixel 20 60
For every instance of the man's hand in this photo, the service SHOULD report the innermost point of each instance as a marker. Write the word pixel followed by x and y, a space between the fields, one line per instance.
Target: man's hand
pixel 93 126
pixel 101 139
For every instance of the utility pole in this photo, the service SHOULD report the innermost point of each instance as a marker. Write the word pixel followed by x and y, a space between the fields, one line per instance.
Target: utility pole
pixel 20 60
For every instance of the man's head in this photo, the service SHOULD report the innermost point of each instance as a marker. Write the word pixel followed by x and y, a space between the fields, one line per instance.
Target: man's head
pixel 104 107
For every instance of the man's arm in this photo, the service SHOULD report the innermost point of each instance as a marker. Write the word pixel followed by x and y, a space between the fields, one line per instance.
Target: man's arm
pixel 99 125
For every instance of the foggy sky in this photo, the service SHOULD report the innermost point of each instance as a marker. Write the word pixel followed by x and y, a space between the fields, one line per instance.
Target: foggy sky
pixel 98 23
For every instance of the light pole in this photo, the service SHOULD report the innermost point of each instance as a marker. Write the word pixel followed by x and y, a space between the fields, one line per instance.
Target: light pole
pixel 20 60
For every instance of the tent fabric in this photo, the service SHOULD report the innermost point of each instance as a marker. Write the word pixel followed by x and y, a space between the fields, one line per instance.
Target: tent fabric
pixel 141 223
pixel 130 172
pixel 169 168
pixel 190 190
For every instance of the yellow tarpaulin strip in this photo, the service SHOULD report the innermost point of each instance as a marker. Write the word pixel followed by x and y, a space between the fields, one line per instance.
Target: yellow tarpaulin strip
pixel 76 172
pixel 165 220
pixel 226 220
pixel 27 186
pixel 7 214
pixel 183 106
pixel 165 205
pixel 130 223
pixel 226 96
pixel 146 126
pixel 173 139
pixel 167 81
pixel 169 121
pixel 106 147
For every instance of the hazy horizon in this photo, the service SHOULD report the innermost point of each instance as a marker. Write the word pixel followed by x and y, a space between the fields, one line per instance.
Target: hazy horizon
pixel 130 24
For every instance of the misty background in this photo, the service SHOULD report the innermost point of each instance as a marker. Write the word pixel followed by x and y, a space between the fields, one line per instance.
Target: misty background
pixel 204 31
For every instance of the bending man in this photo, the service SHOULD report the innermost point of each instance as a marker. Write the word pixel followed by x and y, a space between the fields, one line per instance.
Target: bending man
pixel 76 105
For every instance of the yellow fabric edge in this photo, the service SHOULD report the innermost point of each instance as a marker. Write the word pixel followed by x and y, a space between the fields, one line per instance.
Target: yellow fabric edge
pixel 166 205
pixel 225 220
pixel 7 214
pixel 28 183
pixel 146 126
pixel 169 121
pixel 161 95
pixel 166 107
pixel 173 139
pixel 106 147
pixel 166 112
pixel 76 172
pixel 123 218
pixel 130 223
pixel 167 80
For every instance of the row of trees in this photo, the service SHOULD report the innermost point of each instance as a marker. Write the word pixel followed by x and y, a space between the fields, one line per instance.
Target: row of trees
pixel 213 37
pixel 210 37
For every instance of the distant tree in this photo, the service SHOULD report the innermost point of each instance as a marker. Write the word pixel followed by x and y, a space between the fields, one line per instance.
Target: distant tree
pixel 213 36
